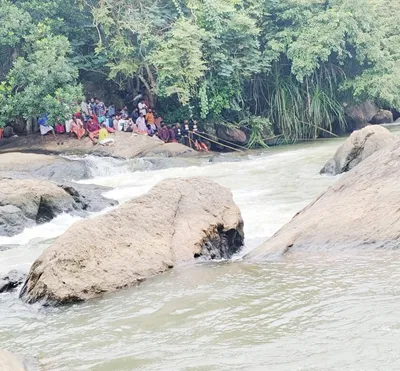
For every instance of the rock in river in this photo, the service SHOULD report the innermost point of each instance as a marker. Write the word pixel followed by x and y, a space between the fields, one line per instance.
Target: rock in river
pixel 30 165
pixel 177 221
pixel 11 280
pixel 360 145
pixel 382 117
pixel 231 134
pixel 361 210
pixel 361 114
pixel 26 202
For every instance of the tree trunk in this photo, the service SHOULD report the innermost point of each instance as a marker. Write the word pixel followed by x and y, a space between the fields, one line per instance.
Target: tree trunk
pixel 29 126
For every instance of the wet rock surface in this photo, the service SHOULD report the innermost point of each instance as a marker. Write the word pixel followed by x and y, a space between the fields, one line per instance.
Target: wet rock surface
pixel 361 210
pixel 27 202
pixel 30 165
pixel 11 281
pixel 382 117
pixel 360 145
pixel 177 221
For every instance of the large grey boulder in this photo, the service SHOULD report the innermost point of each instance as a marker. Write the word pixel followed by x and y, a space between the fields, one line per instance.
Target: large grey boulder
pixel 179 220
pixel 361 210
pixel 30 165
pixel 27 202
pixel 361 114
pixel 231 134
pixel 382 117
pixel 360 145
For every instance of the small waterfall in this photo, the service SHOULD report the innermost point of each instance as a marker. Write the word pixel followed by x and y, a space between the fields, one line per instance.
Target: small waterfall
pixel 99 167
pixel 106 166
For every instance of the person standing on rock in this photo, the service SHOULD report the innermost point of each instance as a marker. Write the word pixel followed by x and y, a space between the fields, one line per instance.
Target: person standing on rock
pixel 141 124
pixel 178 132
pixel 142 108
pixel 85 110
pixel 185 132
pixel 100 110
pixel 110 115
pixel 92 107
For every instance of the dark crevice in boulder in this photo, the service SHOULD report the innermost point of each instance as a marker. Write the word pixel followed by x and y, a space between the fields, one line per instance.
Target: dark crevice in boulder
pixel 11 281
pixel 45 212
pixel 75 195
pixel 222 244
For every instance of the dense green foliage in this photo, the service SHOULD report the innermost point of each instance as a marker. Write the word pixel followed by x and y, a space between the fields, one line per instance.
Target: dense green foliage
pixel 275 67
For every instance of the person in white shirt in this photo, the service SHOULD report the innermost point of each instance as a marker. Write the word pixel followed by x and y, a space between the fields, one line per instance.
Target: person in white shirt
pixel 142 108
pixel 141 124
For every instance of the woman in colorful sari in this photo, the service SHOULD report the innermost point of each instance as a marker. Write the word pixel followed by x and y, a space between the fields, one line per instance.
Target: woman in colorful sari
pixel 77 127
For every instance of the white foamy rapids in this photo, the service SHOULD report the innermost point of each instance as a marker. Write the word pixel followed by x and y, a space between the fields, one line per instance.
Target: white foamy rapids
pixel 21 250
pixel 109 166
pixel 45 231
pixel 269 188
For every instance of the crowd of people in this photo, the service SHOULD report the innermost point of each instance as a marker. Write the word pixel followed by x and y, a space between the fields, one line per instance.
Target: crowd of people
pixel 94 119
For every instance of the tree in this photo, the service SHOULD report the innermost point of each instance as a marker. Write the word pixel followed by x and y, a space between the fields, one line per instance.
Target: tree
pixel 43 82
pixel 284 66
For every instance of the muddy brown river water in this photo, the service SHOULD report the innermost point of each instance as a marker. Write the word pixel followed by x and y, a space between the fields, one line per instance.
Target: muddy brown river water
pixel 310 310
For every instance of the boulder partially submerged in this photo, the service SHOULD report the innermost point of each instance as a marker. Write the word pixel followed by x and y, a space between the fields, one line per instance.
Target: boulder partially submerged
pixel 361 114
pixel 27 202
pixel 360 145
pixel 11 281
pixel 179 220
pixel 31 165
pixel 361 209
pixel 382 117
pixel 24 203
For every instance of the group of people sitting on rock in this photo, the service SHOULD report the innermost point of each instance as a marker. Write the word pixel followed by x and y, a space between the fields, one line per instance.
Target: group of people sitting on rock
pixel 96 121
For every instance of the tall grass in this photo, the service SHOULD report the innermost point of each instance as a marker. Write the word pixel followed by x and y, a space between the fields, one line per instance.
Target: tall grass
pixel 308 109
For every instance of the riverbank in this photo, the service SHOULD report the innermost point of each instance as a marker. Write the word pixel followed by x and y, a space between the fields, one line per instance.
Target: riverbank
pixel 126 146
pixel 215 304
pixel 223 309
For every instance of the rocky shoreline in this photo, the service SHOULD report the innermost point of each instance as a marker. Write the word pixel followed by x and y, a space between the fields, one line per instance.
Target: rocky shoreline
pixel 359 211
pixel 36 188
pixel 126 146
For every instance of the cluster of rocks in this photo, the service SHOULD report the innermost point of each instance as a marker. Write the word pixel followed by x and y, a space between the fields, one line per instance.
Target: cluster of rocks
pixel 360 145
pixel 36 188
pixel 360 210
pixel 200 220
pixel 360 115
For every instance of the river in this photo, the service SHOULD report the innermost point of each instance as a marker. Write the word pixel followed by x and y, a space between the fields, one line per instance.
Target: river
pixel 311 310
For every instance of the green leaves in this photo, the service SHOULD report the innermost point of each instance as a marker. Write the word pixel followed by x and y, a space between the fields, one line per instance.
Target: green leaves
pixel 179 60
pixel 44 81
pixel 292 62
